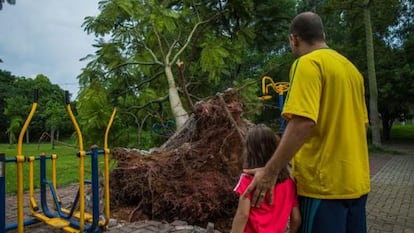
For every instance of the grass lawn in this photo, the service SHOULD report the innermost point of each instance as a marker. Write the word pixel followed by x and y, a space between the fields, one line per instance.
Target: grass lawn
pixel 67 165
pixel 404 133
pixel 400 134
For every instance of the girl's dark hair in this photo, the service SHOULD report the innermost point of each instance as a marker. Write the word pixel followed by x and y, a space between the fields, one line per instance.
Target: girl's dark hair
pixel 261 142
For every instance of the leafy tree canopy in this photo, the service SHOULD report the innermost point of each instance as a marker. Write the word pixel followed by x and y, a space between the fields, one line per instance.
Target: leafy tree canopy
pixel 220 44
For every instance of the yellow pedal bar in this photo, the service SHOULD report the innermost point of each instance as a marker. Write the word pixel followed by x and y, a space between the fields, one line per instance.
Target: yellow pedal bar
pixel 56 223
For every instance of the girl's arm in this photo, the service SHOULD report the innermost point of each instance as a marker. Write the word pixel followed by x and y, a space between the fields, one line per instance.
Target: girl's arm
pixel 242 215
pixel 295 220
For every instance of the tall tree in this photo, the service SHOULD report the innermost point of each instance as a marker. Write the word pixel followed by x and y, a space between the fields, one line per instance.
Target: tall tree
pixel 373 89
pixel 211 39
pixel 155 37
pixel 7 88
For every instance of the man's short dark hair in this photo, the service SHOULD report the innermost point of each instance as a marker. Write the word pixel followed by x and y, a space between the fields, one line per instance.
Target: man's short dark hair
pixel 308 26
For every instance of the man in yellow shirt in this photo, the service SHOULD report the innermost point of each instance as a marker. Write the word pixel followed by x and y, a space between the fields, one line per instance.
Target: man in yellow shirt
pixel 325 135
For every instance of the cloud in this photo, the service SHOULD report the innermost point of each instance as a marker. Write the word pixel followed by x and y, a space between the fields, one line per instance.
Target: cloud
pixel 46 37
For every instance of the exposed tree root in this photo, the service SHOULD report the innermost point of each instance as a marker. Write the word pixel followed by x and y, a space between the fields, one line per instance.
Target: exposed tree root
pixel 192 175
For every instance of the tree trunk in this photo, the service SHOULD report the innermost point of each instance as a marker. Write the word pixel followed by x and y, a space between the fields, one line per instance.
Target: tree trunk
pixel 27 136
pixel 178 111
pixel 180 65
pixel 11 138
pixel 52 137
pixel 386 125
pixel 373 92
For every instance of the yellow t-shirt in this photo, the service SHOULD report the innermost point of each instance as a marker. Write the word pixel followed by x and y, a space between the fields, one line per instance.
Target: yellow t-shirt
pixel 328 89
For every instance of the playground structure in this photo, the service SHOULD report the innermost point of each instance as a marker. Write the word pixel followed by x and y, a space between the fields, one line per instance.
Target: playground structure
pixel 280 88
pixel 68 220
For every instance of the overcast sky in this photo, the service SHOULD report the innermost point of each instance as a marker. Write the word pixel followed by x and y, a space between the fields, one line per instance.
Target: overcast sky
pixel 46 37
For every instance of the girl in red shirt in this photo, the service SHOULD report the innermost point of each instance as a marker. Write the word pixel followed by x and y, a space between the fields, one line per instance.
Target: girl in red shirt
pixel 261 142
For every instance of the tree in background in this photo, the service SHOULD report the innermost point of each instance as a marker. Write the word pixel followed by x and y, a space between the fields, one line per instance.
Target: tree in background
pixel 13 112
pixel 94 112
pixel 17 107
pixel 372 78
pixel 11 2
pixel 56 120
pixel 6 89
pixel 50 116
pixel 396 64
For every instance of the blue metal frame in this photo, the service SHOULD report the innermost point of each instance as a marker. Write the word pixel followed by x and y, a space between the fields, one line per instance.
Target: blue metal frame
pixel 94 227
pixel 3 225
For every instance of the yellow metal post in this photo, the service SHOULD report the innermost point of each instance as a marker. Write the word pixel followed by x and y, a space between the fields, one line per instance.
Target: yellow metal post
pixel 54 181
pixel 279 88
pixel 54 157
pixel 20 160
pixel 106 168
pixel 20 213
pixel 32 199
pixel 82 155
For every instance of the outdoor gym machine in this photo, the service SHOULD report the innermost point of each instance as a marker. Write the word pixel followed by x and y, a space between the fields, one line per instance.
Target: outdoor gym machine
pixel 64 219
pixel 280 88
pixel 19 160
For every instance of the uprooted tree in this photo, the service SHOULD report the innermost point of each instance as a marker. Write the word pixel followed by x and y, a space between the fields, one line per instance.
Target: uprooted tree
pixel 192 175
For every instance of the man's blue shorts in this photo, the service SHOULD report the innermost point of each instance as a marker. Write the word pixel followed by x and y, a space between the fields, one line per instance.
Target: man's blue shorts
pixel 333 216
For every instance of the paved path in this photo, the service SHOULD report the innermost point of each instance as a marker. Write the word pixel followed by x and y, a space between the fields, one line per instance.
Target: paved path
pixel 391 201
pixel 390 205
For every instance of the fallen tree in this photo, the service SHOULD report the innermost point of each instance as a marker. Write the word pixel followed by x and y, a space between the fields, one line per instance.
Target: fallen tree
pixel 192 175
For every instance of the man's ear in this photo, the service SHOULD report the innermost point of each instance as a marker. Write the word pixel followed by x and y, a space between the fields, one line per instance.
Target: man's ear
pixel 294 40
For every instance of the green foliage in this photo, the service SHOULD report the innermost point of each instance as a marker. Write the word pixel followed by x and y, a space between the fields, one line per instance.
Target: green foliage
pixel 17 101
pixel 14 128
pixel 215 42
pixel 6 88
pixel 213 57
pixel 94 111
pixel 249 90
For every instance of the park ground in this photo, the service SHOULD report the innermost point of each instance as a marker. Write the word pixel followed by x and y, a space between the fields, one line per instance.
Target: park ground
pixel 390 205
